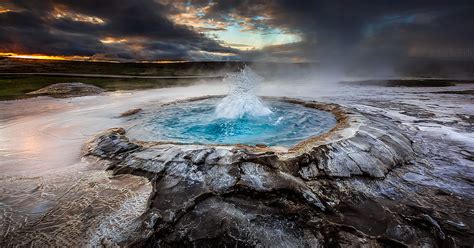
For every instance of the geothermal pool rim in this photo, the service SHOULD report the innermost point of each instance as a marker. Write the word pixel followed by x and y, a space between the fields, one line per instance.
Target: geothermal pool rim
pixel 359 144
pixel 196 185
pixel 344 118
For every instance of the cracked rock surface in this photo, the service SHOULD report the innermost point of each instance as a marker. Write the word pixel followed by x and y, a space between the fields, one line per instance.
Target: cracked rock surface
pixel 324 191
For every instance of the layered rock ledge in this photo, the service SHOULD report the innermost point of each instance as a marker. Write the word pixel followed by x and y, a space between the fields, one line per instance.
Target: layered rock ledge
pixel 214 195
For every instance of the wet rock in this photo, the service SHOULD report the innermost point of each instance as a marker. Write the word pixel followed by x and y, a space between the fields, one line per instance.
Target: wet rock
pixel 241 222
pixel 131 112
pixel 372 150
pixel 315 194
pixel 110 144
pixel 65 90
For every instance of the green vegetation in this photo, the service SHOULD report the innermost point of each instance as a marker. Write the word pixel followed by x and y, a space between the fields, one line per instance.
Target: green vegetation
pixel 15 87
pixel 10 65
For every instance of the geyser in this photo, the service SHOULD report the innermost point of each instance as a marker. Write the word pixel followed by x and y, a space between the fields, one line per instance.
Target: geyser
pixel 238 118
pixel 196 122
pixel 242 101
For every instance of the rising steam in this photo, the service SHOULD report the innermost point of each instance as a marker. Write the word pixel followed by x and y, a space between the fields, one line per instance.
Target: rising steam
pixel 242 100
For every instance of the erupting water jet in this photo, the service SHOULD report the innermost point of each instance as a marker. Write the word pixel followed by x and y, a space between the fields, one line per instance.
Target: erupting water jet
pixel 239 118
pixel 242 100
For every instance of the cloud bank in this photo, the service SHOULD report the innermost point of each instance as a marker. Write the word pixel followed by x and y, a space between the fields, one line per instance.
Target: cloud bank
pixel 336 32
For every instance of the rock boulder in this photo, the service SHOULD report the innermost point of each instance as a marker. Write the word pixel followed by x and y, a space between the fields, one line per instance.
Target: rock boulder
pixel 65 90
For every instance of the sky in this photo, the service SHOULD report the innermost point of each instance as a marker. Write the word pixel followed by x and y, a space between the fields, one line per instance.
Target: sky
pixel 239 30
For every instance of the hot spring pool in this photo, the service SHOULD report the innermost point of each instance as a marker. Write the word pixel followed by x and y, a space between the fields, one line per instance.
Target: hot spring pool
pixel 197 122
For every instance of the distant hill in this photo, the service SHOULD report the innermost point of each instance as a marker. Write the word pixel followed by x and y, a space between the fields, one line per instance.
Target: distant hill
pixel 368 68
pixel 15 65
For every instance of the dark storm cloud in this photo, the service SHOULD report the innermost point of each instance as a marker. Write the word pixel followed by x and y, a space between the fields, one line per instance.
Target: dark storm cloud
pixel 64 27
pixel 338 30
pixel 333 31
pixel 30 34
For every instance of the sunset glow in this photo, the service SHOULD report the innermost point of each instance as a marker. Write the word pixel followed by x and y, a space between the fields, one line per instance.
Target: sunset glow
pixel 44 57
pixel 82 58
pixel 109 40
pixel 60 13
pixel 4 10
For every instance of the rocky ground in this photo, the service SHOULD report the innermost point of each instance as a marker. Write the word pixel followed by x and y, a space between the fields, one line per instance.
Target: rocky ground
pixel 330 191
pixel 427 200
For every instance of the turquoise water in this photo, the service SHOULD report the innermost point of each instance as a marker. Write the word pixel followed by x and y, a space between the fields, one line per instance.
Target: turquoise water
pixel 197 122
